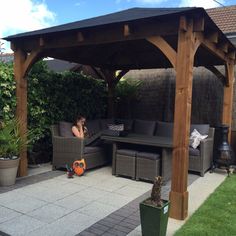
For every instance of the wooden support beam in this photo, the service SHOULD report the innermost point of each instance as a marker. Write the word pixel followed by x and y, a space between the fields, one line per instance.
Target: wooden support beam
pixel 231 55
pixel 223 46
pixel 212 37
pixel 165 48
pixel 228 97
pixel 182 117
pixel 22 64
pixel 218 74
pixel 80 37
pixel 21 108
pixel 41 42
pixel 127 31
pixel 183 23
pixel 198 24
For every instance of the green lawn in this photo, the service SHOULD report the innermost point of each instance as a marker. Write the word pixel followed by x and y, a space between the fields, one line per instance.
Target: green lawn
pixel 217 215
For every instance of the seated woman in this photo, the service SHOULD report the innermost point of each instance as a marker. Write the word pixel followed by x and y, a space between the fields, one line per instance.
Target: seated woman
pixel 78 129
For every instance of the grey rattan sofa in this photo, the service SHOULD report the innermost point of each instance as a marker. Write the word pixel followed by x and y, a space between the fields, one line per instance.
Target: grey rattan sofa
pixel 67 148
pixel 200 159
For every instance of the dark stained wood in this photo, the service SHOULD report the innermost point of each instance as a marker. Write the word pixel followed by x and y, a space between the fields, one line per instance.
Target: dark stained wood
pixel 182 117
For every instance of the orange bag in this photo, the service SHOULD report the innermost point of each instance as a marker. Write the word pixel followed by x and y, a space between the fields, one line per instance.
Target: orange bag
pixel 79 167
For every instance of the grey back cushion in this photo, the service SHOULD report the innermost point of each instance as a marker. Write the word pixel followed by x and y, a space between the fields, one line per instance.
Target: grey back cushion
pixel 65 129
pixel 93 127
pixel 144 127
pixel 105 122
pixel 201 128
pixel 128 124
pixel 164 129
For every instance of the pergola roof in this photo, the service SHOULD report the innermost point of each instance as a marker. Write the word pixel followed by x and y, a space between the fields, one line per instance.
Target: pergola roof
pixel 119 40
pixel 129 15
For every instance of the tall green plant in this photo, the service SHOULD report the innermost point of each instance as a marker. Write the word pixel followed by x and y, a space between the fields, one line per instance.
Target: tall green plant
pixel 11 142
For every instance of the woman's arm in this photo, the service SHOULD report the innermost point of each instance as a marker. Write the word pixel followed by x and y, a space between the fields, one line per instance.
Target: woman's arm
pixel 78 132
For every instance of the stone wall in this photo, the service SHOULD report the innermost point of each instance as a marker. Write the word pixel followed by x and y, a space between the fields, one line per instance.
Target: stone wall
pixel 157 93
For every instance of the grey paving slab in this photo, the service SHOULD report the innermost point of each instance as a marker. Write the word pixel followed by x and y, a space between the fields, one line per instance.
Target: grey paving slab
pixel 7 214
pixel 74 202
pixel 49 213
pixel 96 208
pixel 20 225
pixel 25 204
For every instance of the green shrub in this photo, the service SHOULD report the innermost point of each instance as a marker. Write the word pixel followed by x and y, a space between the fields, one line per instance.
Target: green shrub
pixel 52 97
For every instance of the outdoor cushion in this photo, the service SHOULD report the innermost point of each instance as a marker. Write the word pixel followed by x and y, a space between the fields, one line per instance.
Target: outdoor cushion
pixel 104 123
pixel 65 129
pixel 194 151
pixel 127 123
pixel 127 152
pixel 148 155
pixel 201 128
pixel 164 129
pixel 88 150
pixel 196 138
pixel 144 127
pixel 93 127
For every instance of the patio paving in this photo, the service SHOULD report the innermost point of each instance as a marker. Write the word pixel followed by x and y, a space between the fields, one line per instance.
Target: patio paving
pixel 95 204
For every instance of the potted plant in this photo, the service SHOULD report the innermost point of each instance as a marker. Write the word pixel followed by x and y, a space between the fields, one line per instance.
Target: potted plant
pixel 11 143
pixel 154 212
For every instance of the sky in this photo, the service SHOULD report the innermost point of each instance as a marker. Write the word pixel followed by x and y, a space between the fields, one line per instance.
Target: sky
pixel 17 16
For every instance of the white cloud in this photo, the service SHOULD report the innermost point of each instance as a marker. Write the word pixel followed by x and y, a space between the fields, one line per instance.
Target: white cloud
pixel 200 3
pixel 24 15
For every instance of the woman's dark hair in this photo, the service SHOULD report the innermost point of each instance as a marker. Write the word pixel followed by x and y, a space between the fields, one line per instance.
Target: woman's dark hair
pixel 78 117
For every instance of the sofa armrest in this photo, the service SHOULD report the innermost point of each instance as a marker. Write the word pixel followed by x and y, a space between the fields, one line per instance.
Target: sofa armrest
pixel 68 145
pixel 206 151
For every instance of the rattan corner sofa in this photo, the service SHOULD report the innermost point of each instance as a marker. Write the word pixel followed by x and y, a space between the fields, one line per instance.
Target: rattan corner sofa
pixel 67 148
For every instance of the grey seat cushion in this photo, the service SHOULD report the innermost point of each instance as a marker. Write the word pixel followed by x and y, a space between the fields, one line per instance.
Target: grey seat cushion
pixel 148 155
pixel 88 150
pixel 144 127
pixel 65 129
pixel 194 151
pixel 128 124
pixel 126 152
pixel 201 128
pixel 105 122
pixel 164 129
pixel 93 127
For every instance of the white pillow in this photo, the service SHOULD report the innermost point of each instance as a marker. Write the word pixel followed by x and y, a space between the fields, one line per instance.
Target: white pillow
pixel 196 138
pixel 119 127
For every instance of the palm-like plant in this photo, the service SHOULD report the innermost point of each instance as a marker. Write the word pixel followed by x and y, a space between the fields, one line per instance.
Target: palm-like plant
pixel 11 142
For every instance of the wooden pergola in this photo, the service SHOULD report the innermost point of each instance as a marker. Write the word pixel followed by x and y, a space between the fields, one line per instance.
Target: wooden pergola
pixel 138 38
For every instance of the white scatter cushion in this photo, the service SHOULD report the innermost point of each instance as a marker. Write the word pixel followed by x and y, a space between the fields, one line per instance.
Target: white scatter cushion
pixel 196 138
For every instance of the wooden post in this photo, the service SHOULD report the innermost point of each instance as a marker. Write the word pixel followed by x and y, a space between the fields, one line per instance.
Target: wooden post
pixel 228 96
pixel 21 99
pixel 182 117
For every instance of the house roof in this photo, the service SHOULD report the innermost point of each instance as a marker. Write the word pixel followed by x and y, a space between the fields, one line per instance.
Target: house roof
pixel 129 15
pixel 224 17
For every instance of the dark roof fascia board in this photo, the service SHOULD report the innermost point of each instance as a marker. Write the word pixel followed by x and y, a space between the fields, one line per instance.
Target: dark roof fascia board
pixel 90 23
